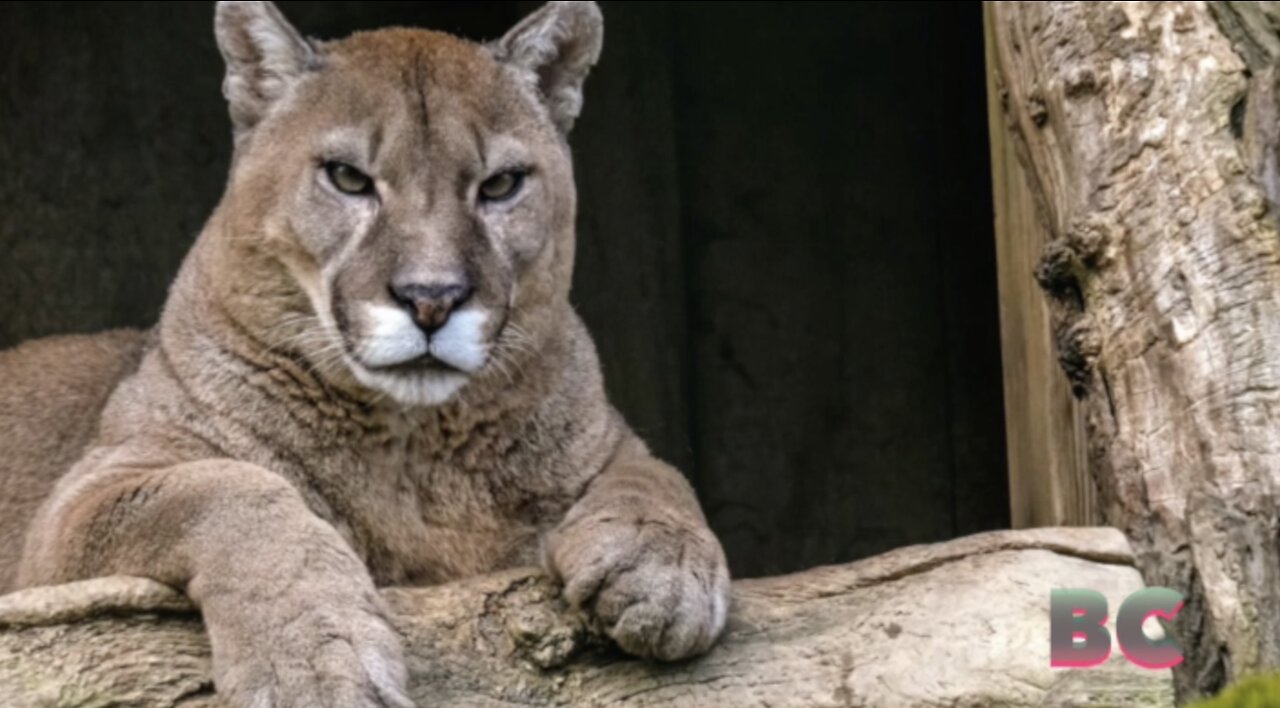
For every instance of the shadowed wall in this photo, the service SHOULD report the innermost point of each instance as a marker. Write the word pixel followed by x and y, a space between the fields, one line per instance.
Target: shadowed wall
pixel 785 247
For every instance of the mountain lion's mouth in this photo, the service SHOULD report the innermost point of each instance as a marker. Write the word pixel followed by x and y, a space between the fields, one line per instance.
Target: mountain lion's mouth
pixel 426 363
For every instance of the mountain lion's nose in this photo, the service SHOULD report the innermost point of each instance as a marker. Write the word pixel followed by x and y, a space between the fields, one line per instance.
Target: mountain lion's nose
pixel 431 305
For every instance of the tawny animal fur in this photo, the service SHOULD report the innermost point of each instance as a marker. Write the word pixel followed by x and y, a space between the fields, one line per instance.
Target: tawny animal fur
pixel 286 438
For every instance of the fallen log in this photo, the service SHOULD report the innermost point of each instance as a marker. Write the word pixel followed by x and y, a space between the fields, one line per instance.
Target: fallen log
pixel 962 623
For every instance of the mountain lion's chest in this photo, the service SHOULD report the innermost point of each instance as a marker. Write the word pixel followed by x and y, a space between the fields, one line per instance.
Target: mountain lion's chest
pixel 420 512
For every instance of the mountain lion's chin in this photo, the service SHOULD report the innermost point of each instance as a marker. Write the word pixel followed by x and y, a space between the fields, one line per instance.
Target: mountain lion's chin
pixel 418 387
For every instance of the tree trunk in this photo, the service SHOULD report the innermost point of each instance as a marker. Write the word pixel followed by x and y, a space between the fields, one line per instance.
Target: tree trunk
pixel 963 623
pixel 1149 134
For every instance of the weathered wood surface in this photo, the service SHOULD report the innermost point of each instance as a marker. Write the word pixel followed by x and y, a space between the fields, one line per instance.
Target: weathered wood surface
pixel 963 623
pixel 1148 130
pixel 1049 479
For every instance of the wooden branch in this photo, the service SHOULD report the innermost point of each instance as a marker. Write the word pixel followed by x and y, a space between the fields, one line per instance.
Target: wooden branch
pixel 1148 133
pixel 958 623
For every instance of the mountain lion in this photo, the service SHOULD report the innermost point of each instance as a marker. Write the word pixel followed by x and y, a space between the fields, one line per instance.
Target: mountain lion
pixel 367 373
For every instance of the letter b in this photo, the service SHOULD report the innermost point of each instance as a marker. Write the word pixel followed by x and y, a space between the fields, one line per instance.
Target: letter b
pixel 1078 637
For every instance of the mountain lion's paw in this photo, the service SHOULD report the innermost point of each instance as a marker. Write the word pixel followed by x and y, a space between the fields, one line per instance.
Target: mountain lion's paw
pixel 321 654
pixel 659 586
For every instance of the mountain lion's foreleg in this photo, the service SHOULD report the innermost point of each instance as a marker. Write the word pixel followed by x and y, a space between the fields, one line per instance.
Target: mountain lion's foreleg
pixel 636 552
pixel 291 611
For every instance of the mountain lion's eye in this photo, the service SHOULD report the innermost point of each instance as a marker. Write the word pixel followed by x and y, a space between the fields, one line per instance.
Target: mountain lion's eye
pixel 501 186
pixel 348 179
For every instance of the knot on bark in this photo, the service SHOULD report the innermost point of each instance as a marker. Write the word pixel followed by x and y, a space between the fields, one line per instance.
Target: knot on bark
pixel 528 620
pixel 1056 271
pixel 1037 109
pixel 1066 268
pixel 1081 80
pixel 1090 239
pixel 1079 346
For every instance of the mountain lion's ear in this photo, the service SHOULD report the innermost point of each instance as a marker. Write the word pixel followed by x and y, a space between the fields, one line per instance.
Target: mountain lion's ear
pixel 264 54
pixel 557 45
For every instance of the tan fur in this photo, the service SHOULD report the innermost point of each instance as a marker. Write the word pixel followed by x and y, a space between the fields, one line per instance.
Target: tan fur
pixel 255 460
pixel 51 394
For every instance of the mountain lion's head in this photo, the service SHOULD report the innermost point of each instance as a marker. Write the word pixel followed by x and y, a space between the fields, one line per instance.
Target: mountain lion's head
pixel 401 208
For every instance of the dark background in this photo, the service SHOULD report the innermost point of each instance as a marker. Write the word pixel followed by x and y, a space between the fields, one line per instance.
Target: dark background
pixel 785 246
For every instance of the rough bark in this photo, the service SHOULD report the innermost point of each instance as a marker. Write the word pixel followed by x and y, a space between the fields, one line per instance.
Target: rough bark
pixel 963 623
pixel 1148 130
